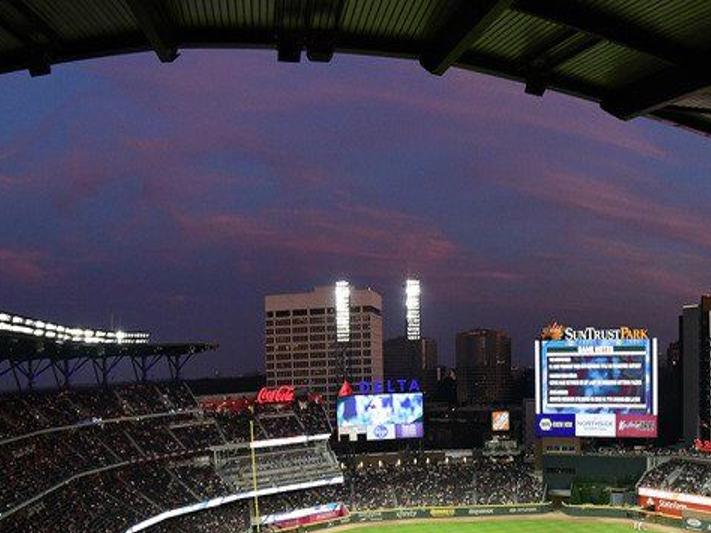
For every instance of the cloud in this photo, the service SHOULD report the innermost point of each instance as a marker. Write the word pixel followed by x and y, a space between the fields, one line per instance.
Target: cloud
pixel 353 239
pixel 585 195
pixel 23 266
pixel 681 275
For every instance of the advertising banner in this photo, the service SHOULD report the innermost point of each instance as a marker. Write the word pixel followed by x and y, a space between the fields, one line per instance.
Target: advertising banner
pixel 671 507
pixel 637 426
pixel 555 425
pixel 409 431
pixel 500 421
pixel 448 512
pixel 595 425
pixel 381 432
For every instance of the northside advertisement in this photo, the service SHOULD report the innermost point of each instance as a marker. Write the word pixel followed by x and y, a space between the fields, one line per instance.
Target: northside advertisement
pixel 598 383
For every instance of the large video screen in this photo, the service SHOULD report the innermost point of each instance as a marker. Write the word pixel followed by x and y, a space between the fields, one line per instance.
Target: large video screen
pixel 596 388
pixel 381 416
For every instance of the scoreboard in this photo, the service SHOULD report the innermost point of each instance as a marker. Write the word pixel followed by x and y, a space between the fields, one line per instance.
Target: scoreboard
pixel 596 385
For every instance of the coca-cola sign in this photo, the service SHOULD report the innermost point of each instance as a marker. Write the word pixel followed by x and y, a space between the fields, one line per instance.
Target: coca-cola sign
pixel 283 394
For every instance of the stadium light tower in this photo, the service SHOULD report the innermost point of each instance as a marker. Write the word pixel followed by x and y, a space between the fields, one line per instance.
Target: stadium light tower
pixel 412 309
pixel 343 312
pixel 342 294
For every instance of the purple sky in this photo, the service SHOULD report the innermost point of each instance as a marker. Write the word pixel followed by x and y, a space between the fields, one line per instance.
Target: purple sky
pixel 173 197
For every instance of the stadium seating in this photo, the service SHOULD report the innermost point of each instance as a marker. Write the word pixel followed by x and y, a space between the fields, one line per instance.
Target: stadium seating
pixel 686 476
pixel 146 444
pixel 102 460
pixel 278 465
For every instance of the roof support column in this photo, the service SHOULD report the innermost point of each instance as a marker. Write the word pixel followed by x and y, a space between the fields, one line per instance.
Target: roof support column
pixel 468 21
pixel 33 32
pixel 155 24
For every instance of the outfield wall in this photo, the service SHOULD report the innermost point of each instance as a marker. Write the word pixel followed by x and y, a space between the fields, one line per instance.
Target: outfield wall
pixel 625 513
pixel 384 515
pixel 589 511
pixel 694 523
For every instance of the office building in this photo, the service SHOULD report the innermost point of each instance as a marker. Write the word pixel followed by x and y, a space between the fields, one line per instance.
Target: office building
pixel 411 359
pixel 695 340
pixel 300 340
pixel 483 359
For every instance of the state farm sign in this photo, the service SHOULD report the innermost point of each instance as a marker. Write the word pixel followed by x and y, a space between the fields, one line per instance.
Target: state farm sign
pixel 283 394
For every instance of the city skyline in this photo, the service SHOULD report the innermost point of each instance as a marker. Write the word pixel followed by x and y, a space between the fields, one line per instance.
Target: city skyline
pixel 223 188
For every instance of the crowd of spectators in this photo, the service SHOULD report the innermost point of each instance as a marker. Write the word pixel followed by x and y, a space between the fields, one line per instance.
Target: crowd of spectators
pixel 282 465
pixel 406 484
pixel 101 460
pixel 313 417
pixel 647 451
pixel 32 412
pixel 284 424
pixel 48 438
pixel 679 475
pixel 112 500
pixel 478 481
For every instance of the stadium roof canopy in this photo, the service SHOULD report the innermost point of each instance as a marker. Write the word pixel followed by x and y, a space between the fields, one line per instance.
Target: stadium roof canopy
pixel 28 357
pixel 634 57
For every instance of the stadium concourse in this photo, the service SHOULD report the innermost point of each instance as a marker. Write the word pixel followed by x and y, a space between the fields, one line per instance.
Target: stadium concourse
pixel 106 459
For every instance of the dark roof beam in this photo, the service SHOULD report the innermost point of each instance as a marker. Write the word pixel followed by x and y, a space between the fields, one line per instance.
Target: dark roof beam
pixel 291 23
pixel 559 49
pixel 688 110
pixel 468 21
pixel 324 20
pixel 155 25
pixel 574 14
pixel 687 75
pixel 33 32
pixel 696 123
pixel 656 91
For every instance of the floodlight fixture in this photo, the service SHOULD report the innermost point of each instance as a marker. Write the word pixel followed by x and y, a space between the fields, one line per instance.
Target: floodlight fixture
pixel 40 328
pixel 412 309
pixel 343 311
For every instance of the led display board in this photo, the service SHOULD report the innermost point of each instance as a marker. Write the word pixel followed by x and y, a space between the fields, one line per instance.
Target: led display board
pixel 381 416
pixel 596 383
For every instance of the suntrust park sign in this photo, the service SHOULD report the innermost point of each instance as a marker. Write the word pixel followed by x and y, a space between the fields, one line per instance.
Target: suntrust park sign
pixel 556 331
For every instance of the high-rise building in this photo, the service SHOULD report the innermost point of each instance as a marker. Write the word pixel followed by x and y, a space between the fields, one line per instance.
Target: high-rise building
pixel 301 347
pixel 483 366
pixel 695 341
pixel 411 359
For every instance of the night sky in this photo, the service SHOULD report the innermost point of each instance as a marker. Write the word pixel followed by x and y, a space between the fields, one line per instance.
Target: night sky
pixel 174 197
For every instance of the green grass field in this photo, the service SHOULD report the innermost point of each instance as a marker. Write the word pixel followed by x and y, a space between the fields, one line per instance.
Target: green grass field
pixel 501 526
